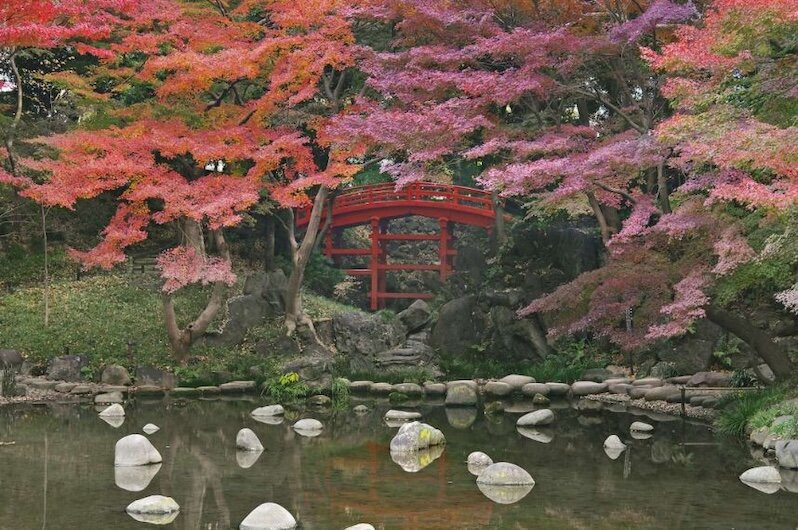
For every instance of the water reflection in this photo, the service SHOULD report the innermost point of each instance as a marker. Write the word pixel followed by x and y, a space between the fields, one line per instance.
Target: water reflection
pixel 504 494
pixel 347 474
pixel 415 461
pixel 135 478
pixel 247 459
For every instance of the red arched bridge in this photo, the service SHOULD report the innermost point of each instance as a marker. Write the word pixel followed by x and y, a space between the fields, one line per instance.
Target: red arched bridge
pixel 374 205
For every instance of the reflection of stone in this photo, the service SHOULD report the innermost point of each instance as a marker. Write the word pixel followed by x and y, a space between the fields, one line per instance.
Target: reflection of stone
pixel 415 461
pixel 641 435
pixel 661 451
pixel 269 420
pixel 461 417
pixel 613 447
pixel 114 421
pixel 155 509
pixel 135 478
pixel 247 459
pixel 504 494
pixel 539 435
pixel 587 421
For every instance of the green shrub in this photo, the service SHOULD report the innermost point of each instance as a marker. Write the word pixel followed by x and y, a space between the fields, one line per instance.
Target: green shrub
pixel 286 388
pixel 743 409
pixel 8 383
pixel 340 393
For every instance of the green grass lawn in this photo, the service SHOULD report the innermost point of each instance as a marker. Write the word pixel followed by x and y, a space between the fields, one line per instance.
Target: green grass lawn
pixel 119 319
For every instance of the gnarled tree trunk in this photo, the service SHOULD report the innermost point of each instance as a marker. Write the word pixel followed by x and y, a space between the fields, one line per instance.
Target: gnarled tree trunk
pixel 300 256
pixel 773 353
pixel 181 339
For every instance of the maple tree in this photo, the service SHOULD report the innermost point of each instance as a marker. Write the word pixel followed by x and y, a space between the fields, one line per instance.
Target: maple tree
pixel 239 89
pixel 566 114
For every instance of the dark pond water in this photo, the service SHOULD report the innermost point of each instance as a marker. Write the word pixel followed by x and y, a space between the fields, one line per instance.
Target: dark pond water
pixel 59 474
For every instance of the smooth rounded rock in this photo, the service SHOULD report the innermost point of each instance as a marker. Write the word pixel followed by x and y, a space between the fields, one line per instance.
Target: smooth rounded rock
pixel 648 381
pixel 408 389
pixel 415 436
pixel 613 447
pixel 401 415
pixel 530 389
pixel 268 411
pixel 360 387
pixel 639 426
pixel 764 478
pixel 435 389
pixel 467 382
pixel 558 389
pixel 538 417
pixel 237 387
pixel 360 526
pixel 505 474
pixel 268 516
pixel 150 428
pixel 155 509
pixel 478 458
pixel 247 440
pixel 115 374
pixel 110 397
pixel 584 388
pixel 787 453
pixel 619 388
pixel 517 381
pixel 308 427
pixel 497 388
pixel 135 450
pixel 113 411
pixel 662 393
pixel 381 388
pixel 461 396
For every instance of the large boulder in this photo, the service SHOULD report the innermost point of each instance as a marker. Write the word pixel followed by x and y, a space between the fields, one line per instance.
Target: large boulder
pixel 271 287
pixel 67 368
pixel 505 474
pixel 691 353
pixel 461 395
pixel 10 359
pixel 115 374
pixel 710 379
pixel 135 450
pixel 787 453
pixel 243 312
pixel 497 388
pixel 416 316
pixel 360 337
pixel 152 376
pixel 538 417
pixel 268 516
pixel 416 436
pixel 456 330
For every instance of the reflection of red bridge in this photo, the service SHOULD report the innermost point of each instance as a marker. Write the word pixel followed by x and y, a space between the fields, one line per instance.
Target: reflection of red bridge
pixel 377 203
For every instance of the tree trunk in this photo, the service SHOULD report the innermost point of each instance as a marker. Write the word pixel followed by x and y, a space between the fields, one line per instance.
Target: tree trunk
pixel 181 339
pixel 269 263
pixel 499 230
pixel 774 354
pixel 662 189
pixel 300 255
pixel 602 221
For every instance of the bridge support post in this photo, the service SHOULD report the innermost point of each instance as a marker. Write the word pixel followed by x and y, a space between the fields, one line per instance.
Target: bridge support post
pixel 374 263
pixel 443 248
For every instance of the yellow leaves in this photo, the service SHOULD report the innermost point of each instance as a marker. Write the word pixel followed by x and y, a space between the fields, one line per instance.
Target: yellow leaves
pixel 77 84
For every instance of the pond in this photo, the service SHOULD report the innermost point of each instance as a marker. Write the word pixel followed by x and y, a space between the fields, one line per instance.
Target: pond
pixel 59 472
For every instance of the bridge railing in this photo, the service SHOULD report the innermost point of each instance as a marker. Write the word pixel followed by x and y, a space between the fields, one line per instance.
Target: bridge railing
pixel 456 196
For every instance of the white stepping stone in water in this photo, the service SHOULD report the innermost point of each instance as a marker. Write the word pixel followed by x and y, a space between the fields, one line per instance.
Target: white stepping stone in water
pixel 135 450
pixel 114 411
pixel 268 516
pixel 766 479
pixel 151 428
pixel 155 509
pixel 247 440
pixel 639 426
pixel 268 411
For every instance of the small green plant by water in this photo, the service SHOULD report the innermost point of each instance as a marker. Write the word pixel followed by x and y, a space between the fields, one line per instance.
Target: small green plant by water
pixel 286 388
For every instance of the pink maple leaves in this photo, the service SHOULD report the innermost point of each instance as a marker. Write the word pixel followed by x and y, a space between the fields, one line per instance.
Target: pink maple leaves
pixel 183 266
